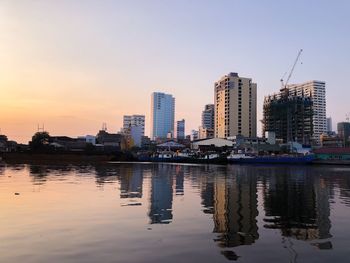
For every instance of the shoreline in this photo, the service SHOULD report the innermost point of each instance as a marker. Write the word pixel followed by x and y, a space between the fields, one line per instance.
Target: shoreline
pixel 81 158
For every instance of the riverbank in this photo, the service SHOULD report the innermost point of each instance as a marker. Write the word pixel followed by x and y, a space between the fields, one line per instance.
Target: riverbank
pixel 80 158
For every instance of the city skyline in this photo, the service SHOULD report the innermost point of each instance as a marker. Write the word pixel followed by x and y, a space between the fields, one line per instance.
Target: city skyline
pixel 74 73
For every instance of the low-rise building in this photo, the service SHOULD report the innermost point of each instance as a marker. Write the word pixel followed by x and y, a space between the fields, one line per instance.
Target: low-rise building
pixel 205 133
pixel 211 144
pixel 331 141
pixel 110 141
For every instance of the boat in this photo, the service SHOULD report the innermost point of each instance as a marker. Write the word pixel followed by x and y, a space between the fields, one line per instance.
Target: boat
pixel 269 159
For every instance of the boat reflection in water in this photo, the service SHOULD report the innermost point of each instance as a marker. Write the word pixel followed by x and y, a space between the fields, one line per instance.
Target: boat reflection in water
pixel 205 213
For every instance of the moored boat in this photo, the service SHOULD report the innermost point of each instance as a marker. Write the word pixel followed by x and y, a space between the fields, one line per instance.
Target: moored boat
pixel 270 159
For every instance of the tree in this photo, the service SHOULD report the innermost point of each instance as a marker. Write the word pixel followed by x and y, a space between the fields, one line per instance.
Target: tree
pixel 40 141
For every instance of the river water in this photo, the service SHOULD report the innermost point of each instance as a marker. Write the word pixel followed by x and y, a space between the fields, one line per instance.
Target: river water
pixel 174 213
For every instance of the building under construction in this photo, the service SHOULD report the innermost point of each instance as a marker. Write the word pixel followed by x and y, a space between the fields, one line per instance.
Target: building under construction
pixel 290 116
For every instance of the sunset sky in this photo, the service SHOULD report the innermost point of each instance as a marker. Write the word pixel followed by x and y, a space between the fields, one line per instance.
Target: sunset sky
pixel 72 65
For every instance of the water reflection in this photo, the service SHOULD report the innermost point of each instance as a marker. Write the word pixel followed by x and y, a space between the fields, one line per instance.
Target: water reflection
pixel 233 202
pixel 131 181
pixel 294 203
pixel 297 203
pixel 161 200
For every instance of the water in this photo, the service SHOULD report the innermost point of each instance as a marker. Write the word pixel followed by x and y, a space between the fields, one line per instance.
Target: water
pixel 174 213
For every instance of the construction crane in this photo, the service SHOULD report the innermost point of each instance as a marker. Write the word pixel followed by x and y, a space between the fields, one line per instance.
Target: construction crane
pixel 284 84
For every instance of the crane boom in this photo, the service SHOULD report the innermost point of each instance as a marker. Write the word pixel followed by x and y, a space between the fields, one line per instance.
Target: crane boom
pixel 284 85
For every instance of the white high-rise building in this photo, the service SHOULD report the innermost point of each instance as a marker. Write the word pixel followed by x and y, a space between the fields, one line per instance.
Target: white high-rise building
pixel 134 126
pixel 316 90
pixel 134 120
pixel 162 115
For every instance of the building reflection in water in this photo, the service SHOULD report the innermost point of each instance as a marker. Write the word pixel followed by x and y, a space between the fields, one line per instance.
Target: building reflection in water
pixel 297 203
pixel 232 199
pixel 131 180
pixel 179 179
pixel 161 199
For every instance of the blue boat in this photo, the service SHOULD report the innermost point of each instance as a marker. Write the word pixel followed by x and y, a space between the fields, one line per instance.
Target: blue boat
pixel 270 159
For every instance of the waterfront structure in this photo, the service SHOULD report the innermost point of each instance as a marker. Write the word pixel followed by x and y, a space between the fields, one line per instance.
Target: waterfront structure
pixel 344 132
pixel 316 90
pixel 235 106
pixel 289 116
pixel 213 143
pixel 330 140
pixel 180 129
pixel 333 155
pixel 162 115
pixel 208 117
pixel 329 125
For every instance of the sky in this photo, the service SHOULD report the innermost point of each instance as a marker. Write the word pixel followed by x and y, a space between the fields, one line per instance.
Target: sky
pixel 72 65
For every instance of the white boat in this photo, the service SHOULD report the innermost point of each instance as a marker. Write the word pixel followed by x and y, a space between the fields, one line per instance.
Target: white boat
pixel 238 156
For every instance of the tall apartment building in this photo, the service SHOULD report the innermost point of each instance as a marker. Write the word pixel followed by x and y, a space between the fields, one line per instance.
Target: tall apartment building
pixel 235 106
pixel 208 117
pixel 316 90
pixel 289 117
pixel 162 115
pixel 180 129
pixel 134 127
pixel 134 120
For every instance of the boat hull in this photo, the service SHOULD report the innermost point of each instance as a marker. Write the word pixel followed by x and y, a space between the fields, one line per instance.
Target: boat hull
pixel 274 160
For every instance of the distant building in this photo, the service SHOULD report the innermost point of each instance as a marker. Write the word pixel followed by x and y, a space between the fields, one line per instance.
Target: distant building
pixel 344 132
pixel 289 117
pixel 208 117
pixel 136 133
pixel 6 145
pixel 110 141
pixel 235 106
pixel 205 133
pixel 194 135
pixel 329 125
pixel 88 139
pixel 133 129
pixel 162 115
pixel 180 129
pixel 134 120
pixel 316 90
pixel 68 144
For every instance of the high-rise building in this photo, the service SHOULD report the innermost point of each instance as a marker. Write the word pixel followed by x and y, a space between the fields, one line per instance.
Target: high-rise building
pixel 316 90
pixel 329 125
pixel 235 106
pixel 134 127
pixel 180 129
pixel 162 115
pixel 134 120
pixel 289 117
pixel 344 132
pixel 208 117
